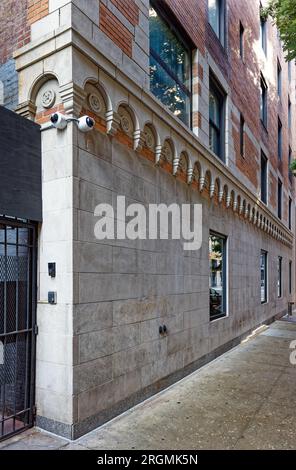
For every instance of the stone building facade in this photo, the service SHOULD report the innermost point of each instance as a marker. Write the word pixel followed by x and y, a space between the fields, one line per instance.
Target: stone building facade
pixel 99 348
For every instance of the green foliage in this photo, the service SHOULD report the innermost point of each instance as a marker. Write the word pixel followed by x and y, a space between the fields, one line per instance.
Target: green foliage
pixel 293 166
pixel 283 13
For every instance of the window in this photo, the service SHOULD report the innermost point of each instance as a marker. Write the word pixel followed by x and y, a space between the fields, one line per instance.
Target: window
pixel 263 271
pixel 218 275
pixel 290 214
pixel 279 207
pixel 290 277
pixel 216 18
pixel 242 135
pixel 216 118
pixel 280 132
pixel 289 113
pixel 263 178
pixel 241 41
pixel 289 164
pixel 279 79
pixel 263 101
pixel 290 71
pixel 263 40
pixel 170 67
pixel 279 281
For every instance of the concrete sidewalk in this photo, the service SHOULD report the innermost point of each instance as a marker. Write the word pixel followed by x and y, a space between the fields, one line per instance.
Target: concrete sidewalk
pixel 243 400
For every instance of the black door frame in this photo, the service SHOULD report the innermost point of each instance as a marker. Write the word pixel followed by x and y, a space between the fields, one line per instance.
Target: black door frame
pixel 30 330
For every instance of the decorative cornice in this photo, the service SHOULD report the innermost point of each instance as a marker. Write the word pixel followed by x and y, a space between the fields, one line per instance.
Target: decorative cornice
pixel 211 170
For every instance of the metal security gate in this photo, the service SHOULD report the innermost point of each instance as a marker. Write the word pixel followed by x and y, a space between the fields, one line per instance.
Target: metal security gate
pixel 17 325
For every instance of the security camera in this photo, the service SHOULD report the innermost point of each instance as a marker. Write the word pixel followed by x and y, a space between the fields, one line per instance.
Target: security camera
pixel 85 124
pixel 59 121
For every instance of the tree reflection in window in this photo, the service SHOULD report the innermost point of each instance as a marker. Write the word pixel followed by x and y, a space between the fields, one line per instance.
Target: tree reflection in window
pixel 170 67
pixel 217 281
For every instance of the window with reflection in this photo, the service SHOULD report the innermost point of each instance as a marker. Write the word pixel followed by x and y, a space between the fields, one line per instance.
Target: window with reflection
pixel 170 66
pixel 216 18
pixel 263 272
pixel 279 282
pixel 263 101
pixel 218 275
pixel 216 119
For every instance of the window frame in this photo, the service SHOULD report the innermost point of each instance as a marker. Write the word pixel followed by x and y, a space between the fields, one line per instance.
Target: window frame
pixel 279 79
pixel 263 101
pixel 241 41
pixel 280 140
pixel 264 193
pixel 290 214
pixel 224 276
pixel 265 254
pixel 279 199
pixel 221 21
pixel 289 113
pixel 187 44
pixel 263 33
pixel 289 71
pixel 289 164
pixel 242 135
pixel 290 276
pixel 216 88
pixel 280 277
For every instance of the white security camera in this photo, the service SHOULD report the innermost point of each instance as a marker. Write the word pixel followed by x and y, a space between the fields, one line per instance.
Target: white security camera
pixel 59 121
pixel 85 124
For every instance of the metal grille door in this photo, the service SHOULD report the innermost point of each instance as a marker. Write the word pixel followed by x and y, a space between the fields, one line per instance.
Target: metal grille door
pixel 17 325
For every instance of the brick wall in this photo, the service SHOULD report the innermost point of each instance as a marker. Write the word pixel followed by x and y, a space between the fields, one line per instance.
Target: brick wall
pixel 243 80
pixel 16 16
pixel 37 9
pixel 115 30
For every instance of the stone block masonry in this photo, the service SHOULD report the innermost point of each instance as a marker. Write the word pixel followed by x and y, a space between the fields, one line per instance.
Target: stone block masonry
pixel 99 348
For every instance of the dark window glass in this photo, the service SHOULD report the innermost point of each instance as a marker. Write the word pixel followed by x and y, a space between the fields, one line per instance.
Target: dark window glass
pixel 218 275
pixel 170 67
pixel 263 40
pixel 241 41
pixel 242 135
pixel 216 119
pixel 289 114
pixel 290 277
pixel 216 17
pixel 263 270
pixel 280 132
pixel 280 190
pixel 263 178
pixel 279 79
pixel 290 213
pixel 279 281
pixel 289 165
pixel 263 101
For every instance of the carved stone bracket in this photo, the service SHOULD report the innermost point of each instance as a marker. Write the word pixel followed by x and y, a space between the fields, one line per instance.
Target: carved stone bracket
pixel 73 98
pixel 175 166
pixel 139 138
pixel 27 110
pixel 112 122
pixel 189 175
pixel 202 183
pixel 212 190
pixel 157 154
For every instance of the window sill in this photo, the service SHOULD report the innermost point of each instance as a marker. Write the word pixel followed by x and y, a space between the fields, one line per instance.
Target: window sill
pixel 220 317
pixel 222 44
